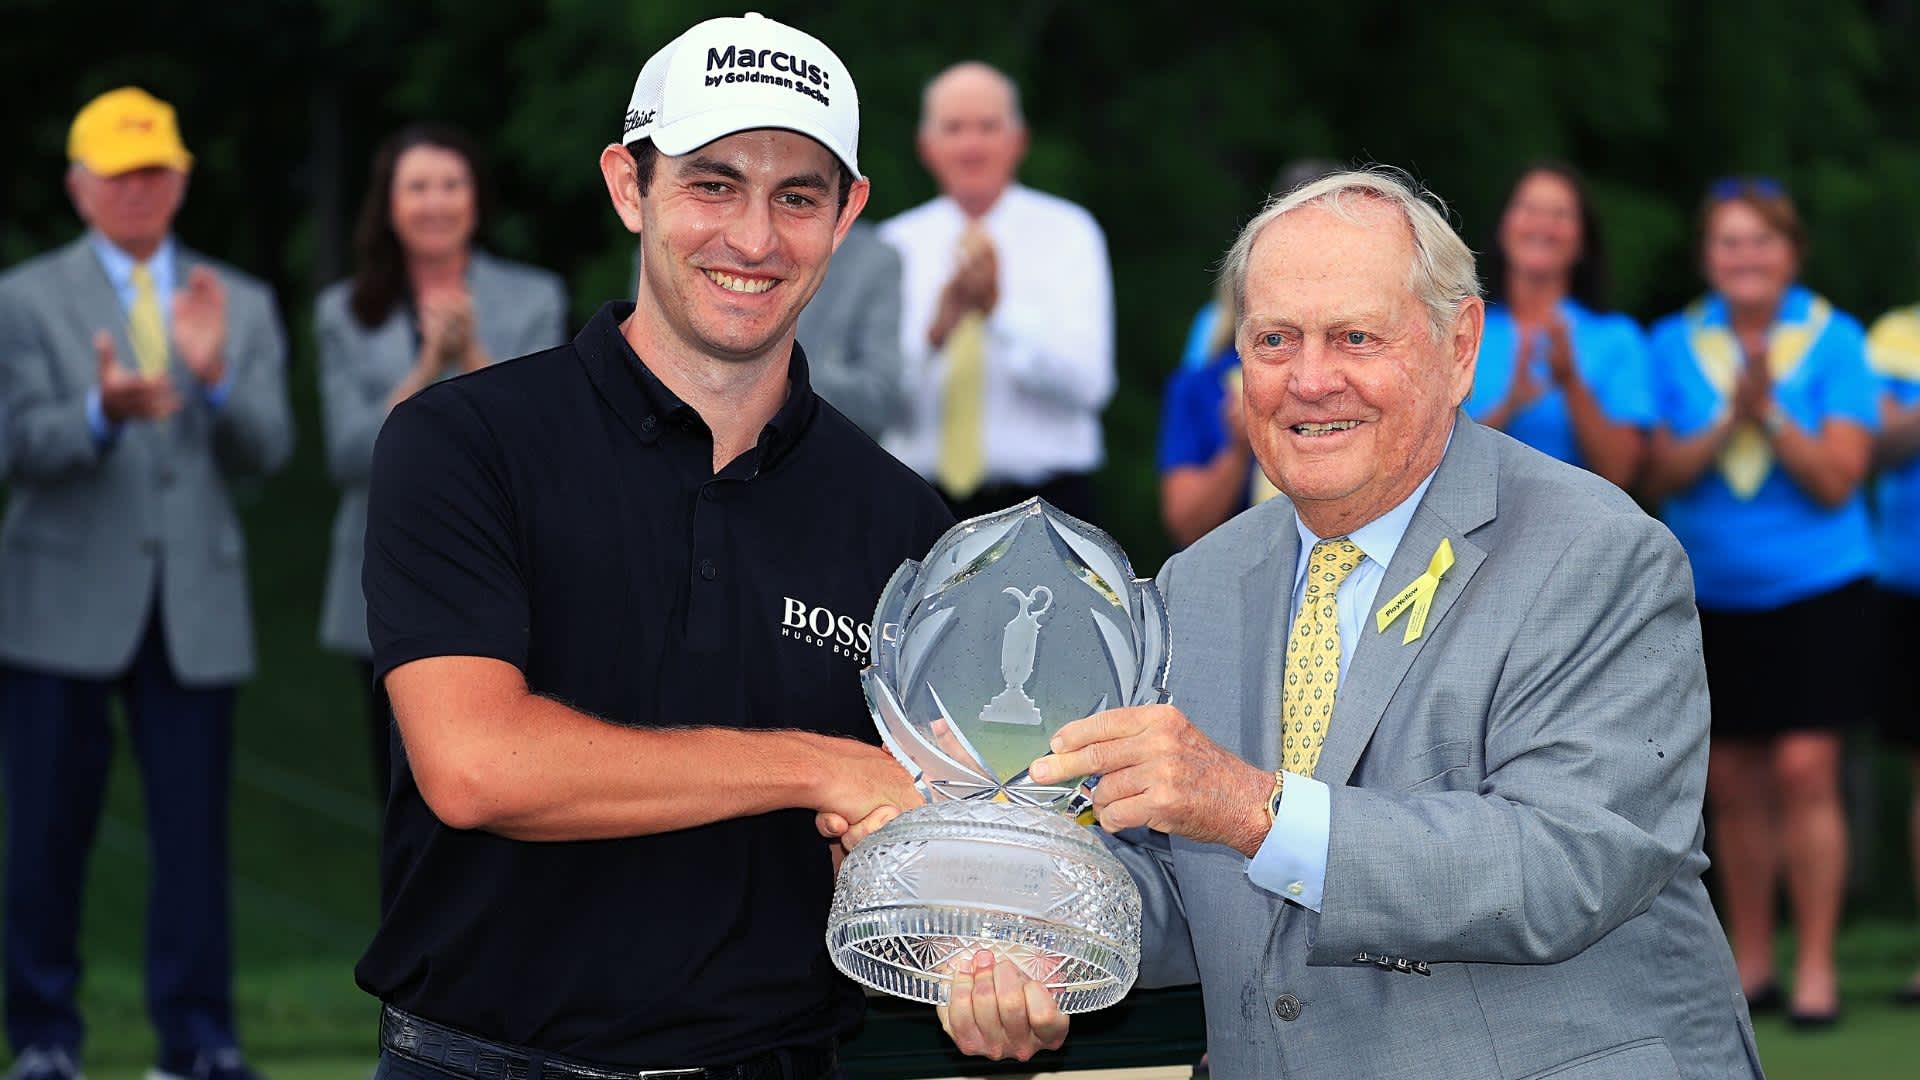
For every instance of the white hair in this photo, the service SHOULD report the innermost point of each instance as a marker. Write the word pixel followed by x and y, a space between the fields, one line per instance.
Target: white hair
pixel 1442 274
pixel 1014 116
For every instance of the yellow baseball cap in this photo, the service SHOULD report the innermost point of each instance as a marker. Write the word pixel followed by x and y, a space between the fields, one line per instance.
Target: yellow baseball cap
pixel 126 129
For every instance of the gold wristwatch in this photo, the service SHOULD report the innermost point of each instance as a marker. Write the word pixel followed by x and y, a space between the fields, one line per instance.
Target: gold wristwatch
pixel 1273 799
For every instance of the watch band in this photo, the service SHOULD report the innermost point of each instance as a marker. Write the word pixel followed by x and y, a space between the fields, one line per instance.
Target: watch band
pixel 1273 797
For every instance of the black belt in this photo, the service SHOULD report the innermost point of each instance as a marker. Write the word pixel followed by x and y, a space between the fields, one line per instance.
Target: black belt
pixel 424 1041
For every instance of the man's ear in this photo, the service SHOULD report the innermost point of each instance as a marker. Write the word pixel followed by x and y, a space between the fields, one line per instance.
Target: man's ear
pixel 623 184
pixel 1468 324
pixel 856 202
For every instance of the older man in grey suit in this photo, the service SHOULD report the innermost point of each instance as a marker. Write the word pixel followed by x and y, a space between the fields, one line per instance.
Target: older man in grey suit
pixel 1474 850
pixel 138 379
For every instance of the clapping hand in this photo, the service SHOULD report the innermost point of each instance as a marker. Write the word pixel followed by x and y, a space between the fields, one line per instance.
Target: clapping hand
pixel 446 329
pixel 200 326
pixel 1753 393
pixel 125 395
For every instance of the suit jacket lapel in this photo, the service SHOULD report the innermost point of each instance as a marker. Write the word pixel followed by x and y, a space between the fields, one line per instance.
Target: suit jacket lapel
pixel 96 307
pixel 1461 500
pixel 1257 608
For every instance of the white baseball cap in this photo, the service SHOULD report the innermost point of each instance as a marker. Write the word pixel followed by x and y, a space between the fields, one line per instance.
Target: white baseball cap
pixel 730 75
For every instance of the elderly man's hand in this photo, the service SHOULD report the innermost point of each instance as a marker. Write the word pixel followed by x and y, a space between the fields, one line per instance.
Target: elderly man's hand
pixel 995 1011
pixel 1156 769
pixel 127 396
pixel 200 326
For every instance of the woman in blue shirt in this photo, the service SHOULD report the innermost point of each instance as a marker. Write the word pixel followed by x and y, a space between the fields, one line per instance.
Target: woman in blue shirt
pixel 1893 351
pixel 1554 371
pixel 1767 412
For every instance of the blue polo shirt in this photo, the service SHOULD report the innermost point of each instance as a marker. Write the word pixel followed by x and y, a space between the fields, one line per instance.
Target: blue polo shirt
pixel 1893 352
pixel 1777 545
pixel 1609 353
pixel 1190 429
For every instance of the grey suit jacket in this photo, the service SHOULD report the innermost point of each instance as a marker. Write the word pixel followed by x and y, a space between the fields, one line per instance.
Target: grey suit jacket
pixel 518 309
pixel 1515 801
pixel 851 331
pixel 93 536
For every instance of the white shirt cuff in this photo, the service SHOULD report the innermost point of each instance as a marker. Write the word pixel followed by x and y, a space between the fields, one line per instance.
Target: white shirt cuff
pixel 1292 860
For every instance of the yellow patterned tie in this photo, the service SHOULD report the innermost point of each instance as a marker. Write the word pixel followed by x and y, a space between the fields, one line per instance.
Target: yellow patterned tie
pixel 144 326
pixel 1313 656
pixel 963 462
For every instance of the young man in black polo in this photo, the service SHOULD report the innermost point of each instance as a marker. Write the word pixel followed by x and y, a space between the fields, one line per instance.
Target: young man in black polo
pixel 614 591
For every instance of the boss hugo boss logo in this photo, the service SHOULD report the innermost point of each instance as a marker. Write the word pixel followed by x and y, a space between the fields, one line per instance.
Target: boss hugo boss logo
pixel 637 120
pixel 737 65
pixel 821 628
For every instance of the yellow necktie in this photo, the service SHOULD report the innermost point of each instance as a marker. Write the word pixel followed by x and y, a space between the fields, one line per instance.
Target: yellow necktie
pixel 1313 656
pixel 963 462
pixel 144 326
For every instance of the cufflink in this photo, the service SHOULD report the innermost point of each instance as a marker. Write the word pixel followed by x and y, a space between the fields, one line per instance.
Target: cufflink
pixel 1296 888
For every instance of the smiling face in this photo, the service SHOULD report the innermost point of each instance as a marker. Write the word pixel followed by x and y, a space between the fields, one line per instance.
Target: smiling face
pixel 432 203
pixel 735 238
pixel 133 210
pixel 1350 397
pixel 1540 229
pixel 970 139
pixel 1748 261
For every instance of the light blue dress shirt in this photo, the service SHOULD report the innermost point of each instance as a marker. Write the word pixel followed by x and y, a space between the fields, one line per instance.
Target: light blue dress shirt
pixel 119 269
pixel 1292 861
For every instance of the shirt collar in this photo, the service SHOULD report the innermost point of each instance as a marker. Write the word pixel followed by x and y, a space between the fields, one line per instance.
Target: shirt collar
pixel 1013 193
pixel 1794 307
pixel 1378 539
pixel 119 265
pixel 649 408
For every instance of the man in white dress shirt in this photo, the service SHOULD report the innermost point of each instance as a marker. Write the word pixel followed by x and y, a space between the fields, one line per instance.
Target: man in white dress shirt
pixel 1007 313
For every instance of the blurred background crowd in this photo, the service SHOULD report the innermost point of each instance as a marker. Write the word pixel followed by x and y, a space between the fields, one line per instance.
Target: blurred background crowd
pixel 1697 232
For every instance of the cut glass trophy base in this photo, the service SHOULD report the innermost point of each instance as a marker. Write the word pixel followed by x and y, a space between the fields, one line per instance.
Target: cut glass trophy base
pixel 947 880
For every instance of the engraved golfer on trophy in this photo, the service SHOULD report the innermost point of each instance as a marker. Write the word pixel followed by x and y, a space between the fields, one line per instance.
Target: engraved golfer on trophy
pixel 1014 625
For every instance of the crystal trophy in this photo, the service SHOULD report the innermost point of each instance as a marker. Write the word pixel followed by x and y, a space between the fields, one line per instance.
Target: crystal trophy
pixel 1016 624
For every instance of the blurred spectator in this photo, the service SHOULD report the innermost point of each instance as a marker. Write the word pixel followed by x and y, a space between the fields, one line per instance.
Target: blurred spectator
pixel 851 331
pixel 1767 411
pixel 1007 330
pixel 1207 473
pixel 1893 350
pixel 138 377
pixel 423 303
pixel 1555 371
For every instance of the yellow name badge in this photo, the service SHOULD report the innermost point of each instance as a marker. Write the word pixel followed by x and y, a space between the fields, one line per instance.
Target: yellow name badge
pixel 1418 597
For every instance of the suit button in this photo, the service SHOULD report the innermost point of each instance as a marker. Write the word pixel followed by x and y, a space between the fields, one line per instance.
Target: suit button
pixel 149 547
pixel 166 478
pixel 1287 1007
pixel 707 570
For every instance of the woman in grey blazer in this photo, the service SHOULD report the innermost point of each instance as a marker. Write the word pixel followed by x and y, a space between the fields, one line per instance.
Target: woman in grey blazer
pixel 423 304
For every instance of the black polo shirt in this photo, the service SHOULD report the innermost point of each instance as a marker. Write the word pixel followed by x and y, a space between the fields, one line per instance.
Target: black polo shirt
pixel 560 512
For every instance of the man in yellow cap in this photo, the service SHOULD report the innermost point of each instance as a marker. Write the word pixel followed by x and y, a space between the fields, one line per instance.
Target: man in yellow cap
pixel 137 378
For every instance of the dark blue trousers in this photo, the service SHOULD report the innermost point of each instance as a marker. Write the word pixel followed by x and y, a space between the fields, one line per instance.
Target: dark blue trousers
pixel 55 744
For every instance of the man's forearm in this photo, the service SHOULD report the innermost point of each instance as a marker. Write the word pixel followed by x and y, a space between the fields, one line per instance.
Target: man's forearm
pixel 532 768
